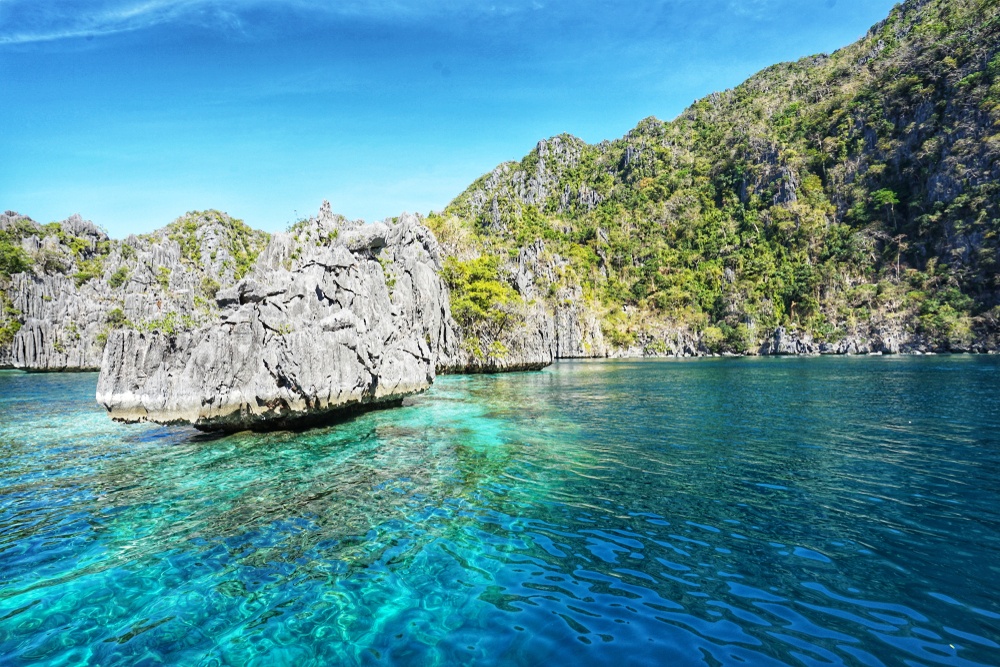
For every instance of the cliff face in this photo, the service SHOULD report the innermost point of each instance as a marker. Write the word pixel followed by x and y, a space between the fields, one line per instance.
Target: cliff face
pixel 335 316
pixel 73 285
pixel 849 200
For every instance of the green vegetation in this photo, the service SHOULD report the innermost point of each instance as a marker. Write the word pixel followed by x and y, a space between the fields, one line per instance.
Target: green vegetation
pixel 820 195
pixel 51 261
pixel 210 287
pixel 478 295
pixel 170 324
pixel 390 276
pixel 297 225
pixel 814 196
pixel 185 232
pixel 10 323
pixel 483 303
pixel 163 277
pixel 84 259
pixel 13 259
pixel 116 318
pixel 119 277
pixel 86 254
pixel 88 270
pixel 8 330
pixel 243 243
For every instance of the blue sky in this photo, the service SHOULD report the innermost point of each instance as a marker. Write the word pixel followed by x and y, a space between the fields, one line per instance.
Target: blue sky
pixel 132 112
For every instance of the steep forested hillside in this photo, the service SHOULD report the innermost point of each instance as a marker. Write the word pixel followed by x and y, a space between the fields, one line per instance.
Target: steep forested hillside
pixel 853 199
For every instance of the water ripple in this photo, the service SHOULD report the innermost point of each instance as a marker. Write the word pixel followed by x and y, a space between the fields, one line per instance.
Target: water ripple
pixel 719 512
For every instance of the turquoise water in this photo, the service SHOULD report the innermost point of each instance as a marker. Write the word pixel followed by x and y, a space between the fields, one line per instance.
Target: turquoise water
pixel 713 512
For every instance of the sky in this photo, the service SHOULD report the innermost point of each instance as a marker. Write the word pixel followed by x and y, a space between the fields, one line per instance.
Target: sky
pixel 133 112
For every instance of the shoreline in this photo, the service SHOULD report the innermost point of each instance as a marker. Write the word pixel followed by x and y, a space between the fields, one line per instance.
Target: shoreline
pixel 622 357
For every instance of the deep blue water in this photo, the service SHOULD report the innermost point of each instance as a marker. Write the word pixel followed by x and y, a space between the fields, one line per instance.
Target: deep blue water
pixel 714 512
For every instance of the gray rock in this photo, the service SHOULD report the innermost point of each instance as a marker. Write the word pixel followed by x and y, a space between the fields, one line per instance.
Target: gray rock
pixel 523 338
pixel 524 343
pixel 578 332
pixel 569 339
pixel 335 317
pixel 783 342
pixel 82 284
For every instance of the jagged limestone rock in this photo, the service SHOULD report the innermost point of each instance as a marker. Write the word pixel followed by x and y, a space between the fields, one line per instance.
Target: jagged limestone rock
pixel 335 316
pixel 525 343
pixel 520 336
pixel 578 332
pixel 82 284
pixel 781 342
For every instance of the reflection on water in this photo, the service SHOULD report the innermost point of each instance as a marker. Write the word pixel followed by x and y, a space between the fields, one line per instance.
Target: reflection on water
pixel 789 511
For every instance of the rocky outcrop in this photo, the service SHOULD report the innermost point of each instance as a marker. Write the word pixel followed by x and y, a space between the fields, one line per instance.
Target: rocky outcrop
pixel 781 343
pixel 525 342
pixel 335 317
pixel 829 194
pixel 876 338
pixel 504 194
pixel 578 333
pixel 57 328
pixel 521 334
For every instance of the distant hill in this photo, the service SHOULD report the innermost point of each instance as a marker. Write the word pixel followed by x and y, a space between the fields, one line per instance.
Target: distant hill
pixel 851 199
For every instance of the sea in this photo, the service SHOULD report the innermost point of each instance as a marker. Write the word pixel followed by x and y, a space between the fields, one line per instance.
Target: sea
pixel 745 511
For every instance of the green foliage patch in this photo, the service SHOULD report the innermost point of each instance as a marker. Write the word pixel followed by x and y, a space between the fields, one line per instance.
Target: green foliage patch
pixel 13 259
pixel 119 277
pixel 478 295
pixel 88 270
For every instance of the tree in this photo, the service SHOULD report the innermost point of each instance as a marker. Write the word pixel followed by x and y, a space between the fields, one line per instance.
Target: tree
pixel 13 259
pixel 886 198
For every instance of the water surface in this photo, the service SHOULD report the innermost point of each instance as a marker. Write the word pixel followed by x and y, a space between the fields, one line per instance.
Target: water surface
pixel 713 512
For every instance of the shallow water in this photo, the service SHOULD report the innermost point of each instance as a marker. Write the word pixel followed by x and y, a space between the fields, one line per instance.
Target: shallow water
pixel 734 512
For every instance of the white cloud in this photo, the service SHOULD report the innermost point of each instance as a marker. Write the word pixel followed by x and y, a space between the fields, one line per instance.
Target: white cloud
pixel 41 22
pixel 25 21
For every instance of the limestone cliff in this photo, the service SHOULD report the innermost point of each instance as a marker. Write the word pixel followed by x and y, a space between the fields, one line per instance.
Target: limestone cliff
pixel 335 316
pixel 75 284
